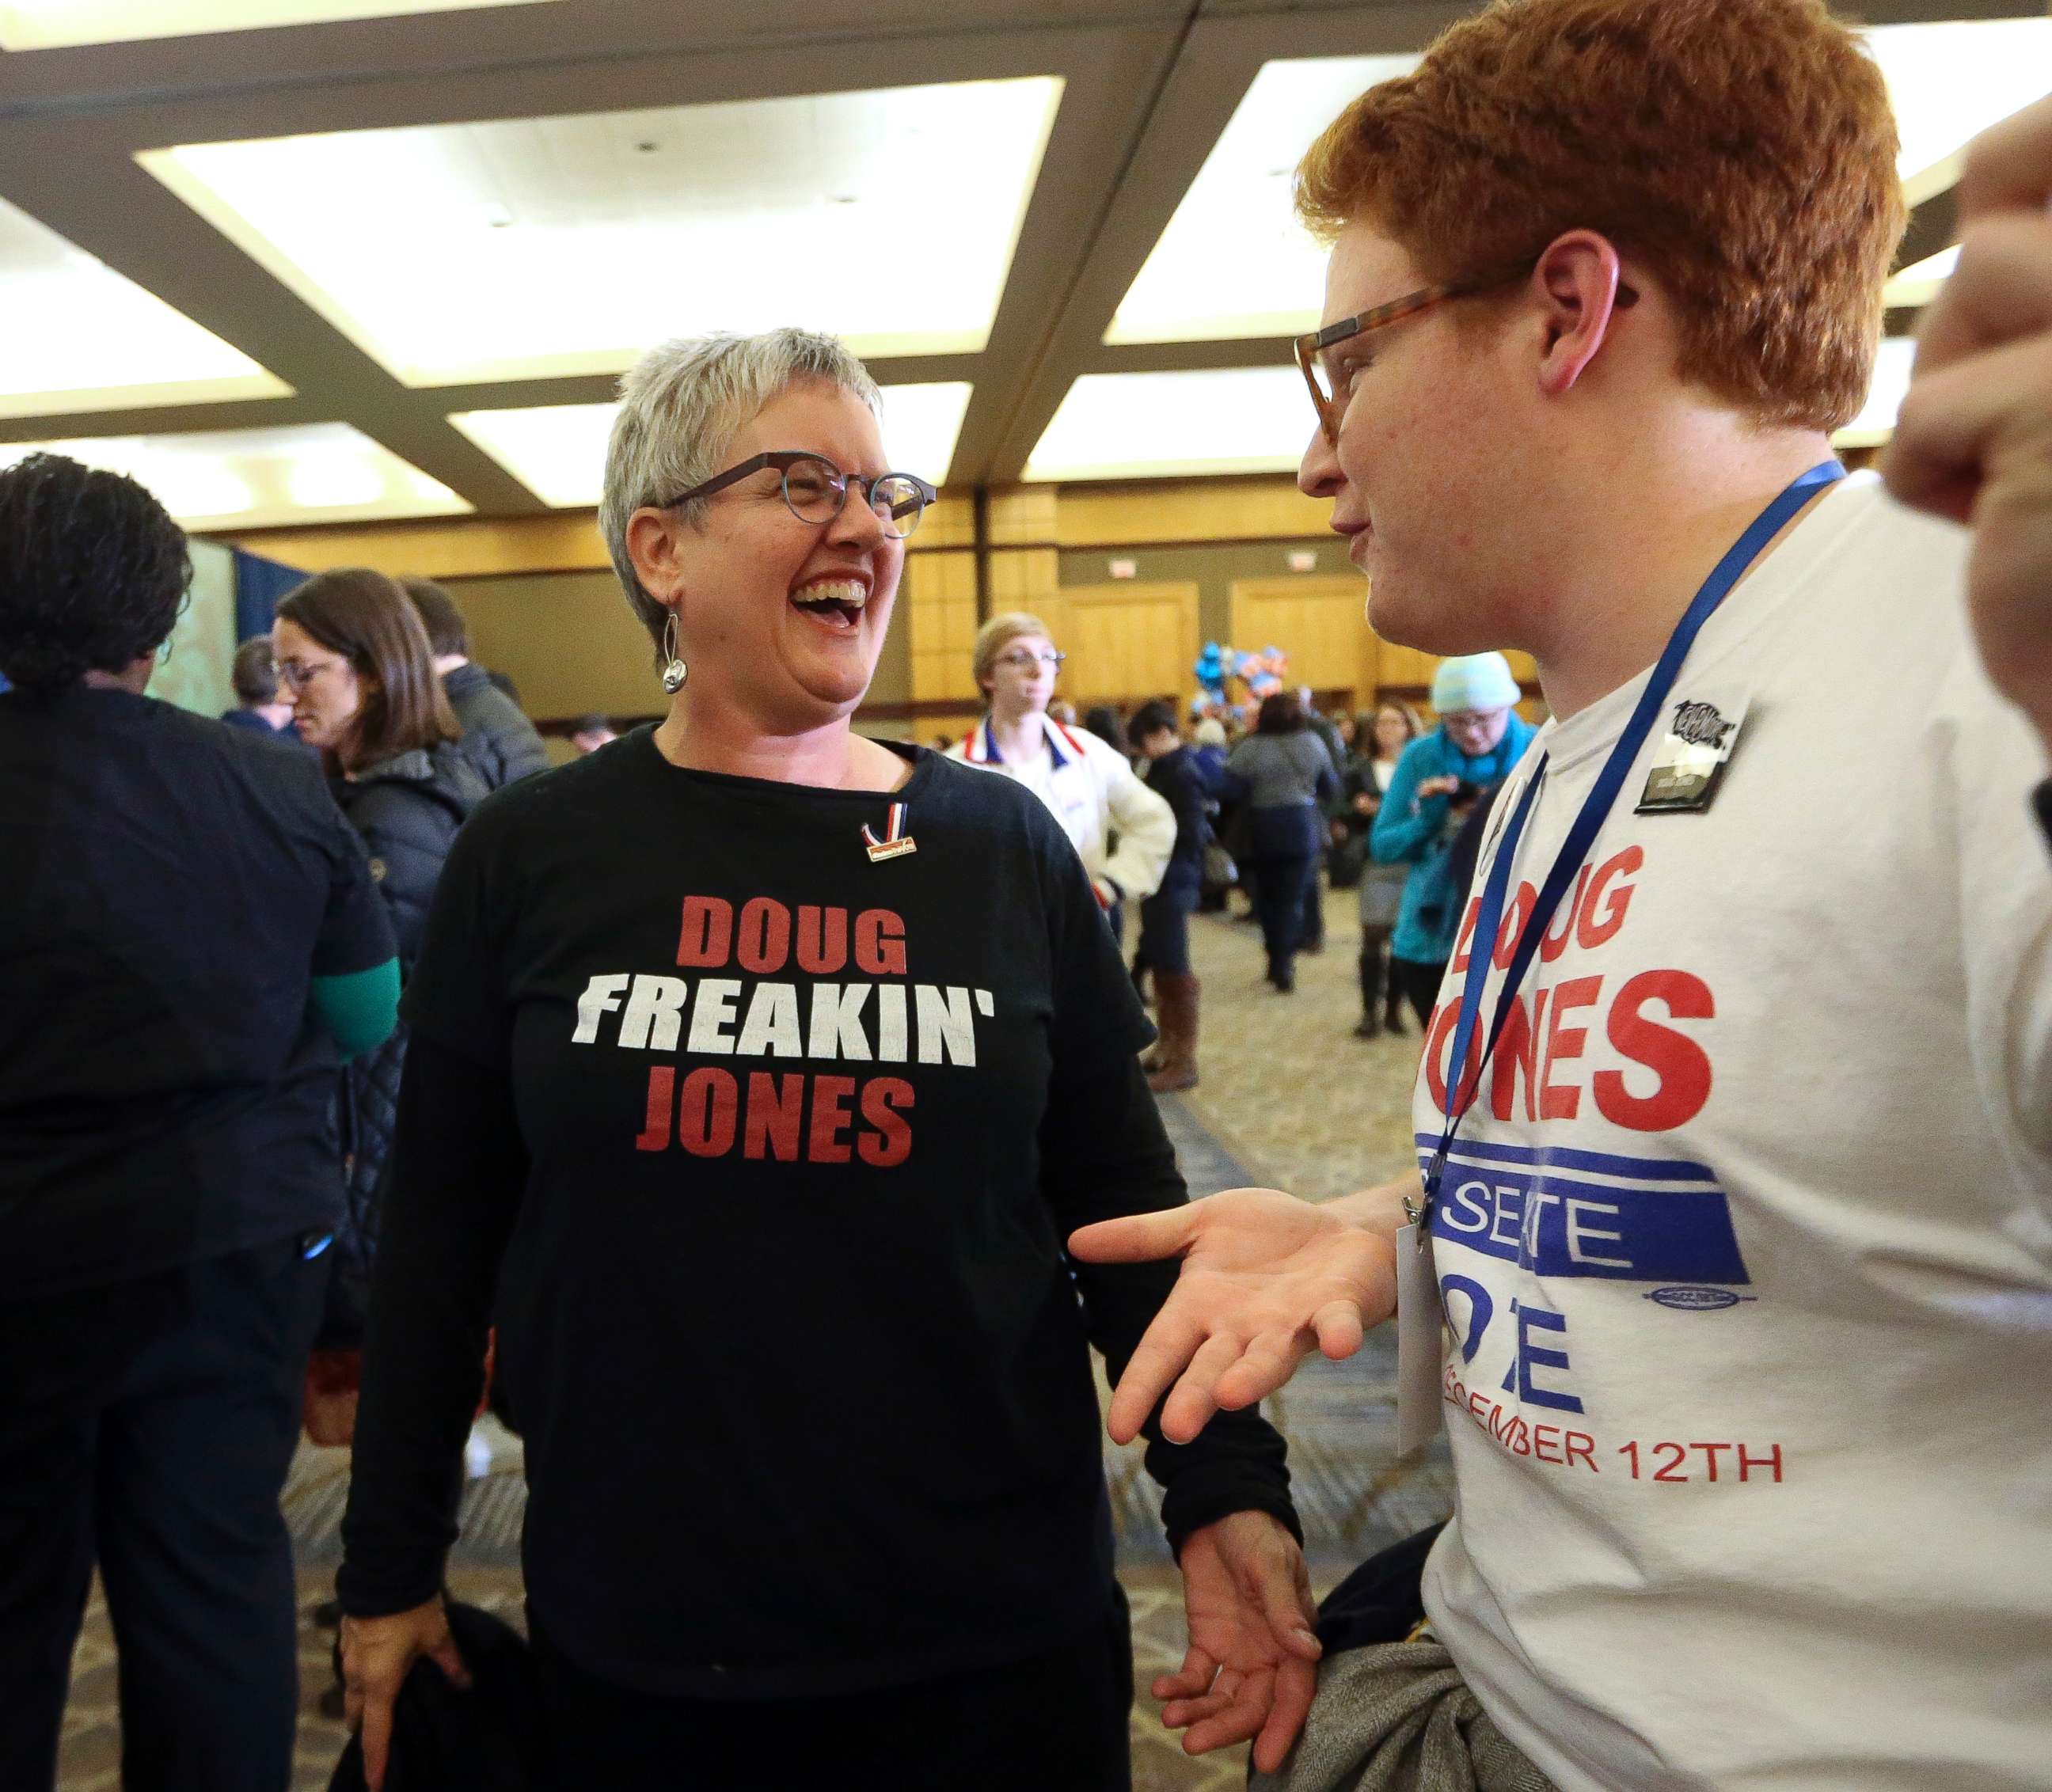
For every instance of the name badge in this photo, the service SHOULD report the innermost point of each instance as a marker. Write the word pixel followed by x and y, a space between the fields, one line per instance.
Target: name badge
pixel 1690 762
pixel 1419 1412
pixel 895 844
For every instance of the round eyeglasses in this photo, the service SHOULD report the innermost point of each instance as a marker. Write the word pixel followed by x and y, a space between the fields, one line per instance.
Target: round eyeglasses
pixel 816 490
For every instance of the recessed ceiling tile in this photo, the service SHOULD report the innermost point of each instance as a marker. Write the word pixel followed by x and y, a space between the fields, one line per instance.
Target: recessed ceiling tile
pixel 538 247
pixel 558 451
pixel 28 25
pixel 79 337
pixel 1234 261
pixel 1876 422
pixel 1235 420
pixel 259 479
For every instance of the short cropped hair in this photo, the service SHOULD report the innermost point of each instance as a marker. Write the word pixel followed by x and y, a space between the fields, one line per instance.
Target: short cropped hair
pixel 1743 150
pixel 681 405
pixel 998 634
pixel 93 572
pixel 255 675
pixel 440 616
pixel 1149 720
pixel 369 619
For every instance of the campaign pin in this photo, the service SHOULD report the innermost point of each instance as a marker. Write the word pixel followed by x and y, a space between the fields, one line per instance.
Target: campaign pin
pixel 895 844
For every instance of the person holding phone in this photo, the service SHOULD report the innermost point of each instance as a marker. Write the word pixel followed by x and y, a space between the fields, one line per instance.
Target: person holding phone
pixel 1479 738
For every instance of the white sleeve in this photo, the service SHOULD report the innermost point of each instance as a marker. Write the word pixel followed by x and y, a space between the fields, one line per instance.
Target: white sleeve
pixel 1146 828
pixel 1993 760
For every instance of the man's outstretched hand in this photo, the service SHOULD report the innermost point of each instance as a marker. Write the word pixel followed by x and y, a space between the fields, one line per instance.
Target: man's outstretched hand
pixel 1265 1276
pixel 1252 1665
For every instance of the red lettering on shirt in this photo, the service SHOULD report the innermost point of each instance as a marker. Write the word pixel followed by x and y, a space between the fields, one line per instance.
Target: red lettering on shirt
pixel 822 939
pixel 1516 1054
pixel 879 943
pixel 764 941
pixel 1593 928
pixel 1512 924
pixel 776 1107
pixel 708 1108
pixel 1558 1102
pixel 830 1120
pixel 891 1142
pixel 1682 1066
pixel 662 1101
pixel 708 930
pixel 1460 960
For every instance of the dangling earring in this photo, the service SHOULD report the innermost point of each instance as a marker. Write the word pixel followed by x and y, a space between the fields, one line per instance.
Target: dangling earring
pixel 675 670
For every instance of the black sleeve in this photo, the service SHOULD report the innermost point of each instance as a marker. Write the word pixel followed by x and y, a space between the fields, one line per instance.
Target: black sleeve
pixel 453 1192
pixel 355 930
pixel 2041 799
pixel 1186 797
pixel 1104 1153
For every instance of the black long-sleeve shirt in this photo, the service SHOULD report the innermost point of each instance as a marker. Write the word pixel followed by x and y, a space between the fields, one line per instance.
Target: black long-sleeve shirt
pixel 761 1151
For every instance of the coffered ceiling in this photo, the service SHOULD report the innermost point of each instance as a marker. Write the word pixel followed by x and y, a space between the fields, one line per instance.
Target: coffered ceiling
pixel 307 261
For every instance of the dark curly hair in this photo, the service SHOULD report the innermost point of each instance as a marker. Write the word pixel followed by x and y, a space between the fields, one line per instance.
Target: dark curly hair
pixel 93 572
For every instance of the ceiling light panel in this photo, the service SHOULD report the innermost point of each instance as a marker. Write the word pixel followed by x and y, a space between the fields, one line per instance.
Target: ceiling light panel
pixel 258 478
pixel 79 337
pixel 1234 261
pixel 1234 420
pixel 539 247
pixel 558 451
pixel 27 25
pixel 1876 422
pixel 1950 80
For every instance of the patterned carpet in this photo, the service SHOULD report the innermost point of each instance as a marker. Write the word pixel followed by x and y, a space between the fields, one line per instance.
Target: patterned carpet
pixel 1288 1099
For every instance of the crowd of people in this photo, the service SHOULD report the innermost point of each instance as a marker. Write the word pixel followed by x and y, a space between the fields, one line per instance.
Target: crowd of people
pixel 754 1111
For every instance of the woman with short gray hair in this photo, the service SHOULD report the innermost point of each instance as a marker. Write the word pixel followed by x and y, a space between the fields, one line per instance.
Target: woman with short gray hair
pixel 759 1072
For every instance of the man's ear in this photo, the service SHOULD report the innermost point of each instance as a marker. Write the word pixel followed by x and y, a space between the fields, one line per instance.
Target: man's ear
pixel 1575 282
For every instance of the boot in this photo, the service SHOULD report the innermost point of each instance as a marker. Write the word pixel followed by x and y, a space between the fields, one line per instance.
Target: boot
pixel 1393 1013
pixel 1369 1026
pixel 1176 995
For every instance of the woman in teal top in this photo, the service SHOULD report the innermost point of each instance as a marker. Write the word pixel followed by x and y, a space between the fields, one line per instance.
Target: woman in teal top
pixel 1478 739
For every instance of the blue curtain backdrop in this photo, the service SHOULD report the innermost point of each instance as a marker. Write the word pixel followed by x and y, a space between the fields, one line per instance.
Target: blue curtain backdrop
pixel 259 584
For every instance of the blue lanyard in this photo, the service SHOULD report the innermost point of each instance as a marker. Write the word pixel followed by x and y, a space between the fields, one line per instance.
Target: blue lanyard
pixel 1595 811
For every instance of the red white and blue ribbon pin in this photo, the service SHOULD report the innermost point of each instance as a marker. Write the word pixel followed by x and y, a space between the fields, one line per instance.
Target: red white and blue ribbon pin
pixel 895 844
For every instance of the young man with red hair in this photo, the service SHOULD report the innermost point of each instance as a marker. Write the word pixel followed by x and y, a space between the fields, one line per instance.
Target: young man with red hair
pixel 1743 1240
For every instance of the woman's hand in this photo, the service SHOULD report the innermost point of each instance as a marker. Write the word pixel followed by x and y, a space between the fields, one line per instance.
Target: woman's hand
pixel 1444 785
pixel 1252 1668
pixel 1265 1277
pixel 377 1653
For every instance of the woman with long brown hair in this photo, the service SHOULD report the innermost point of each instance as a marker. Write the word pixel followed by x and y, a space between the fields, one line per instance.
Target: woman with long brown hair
pixel 350 649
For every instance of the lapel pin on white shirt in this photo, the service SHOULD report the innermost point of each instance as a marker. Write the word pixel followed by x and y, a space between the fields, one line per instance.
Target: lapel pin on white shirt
pixel 895 844
pixel 1690 762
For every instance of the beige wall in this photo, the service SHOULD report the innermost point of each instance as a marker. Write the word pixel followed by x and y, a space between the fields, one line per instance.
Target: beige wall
pixel 571 644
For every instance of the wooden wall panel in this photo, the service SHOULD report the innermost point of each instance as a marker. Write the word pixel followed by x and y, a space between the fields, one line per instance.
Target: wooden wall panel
pixel 1023 579
pixel 1318 622
pixel 1127 643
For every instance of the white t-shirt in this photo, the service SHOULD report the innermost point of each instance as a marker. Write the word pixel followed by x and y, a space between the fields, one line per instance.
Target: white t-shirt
pixel 1747 1266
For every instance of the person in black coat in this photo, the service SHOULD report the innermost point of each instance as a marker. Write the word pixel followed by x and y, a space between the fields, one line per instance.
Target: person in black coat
pixel 190 940
pixel 1174 775
pixel 497 738
pixel 352 650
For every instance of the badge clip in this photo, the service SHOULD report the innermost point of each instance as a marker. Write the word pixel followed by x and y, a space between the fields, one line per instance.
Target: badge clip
pixel 895 844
